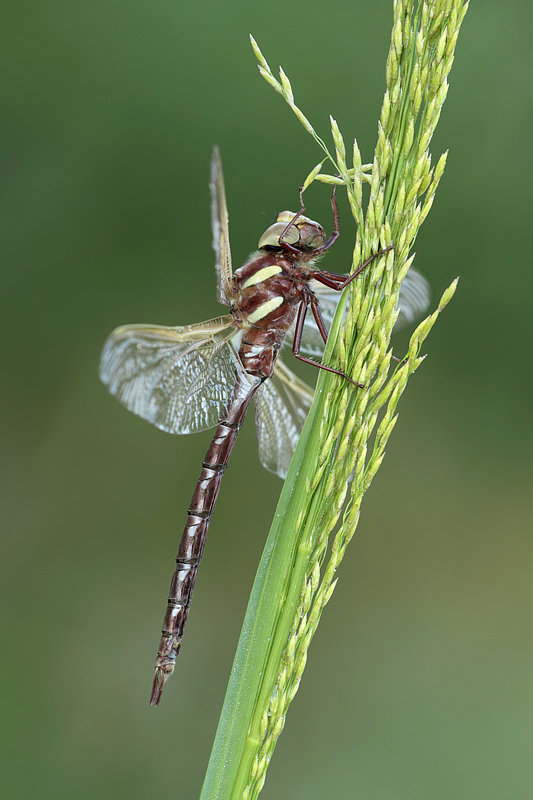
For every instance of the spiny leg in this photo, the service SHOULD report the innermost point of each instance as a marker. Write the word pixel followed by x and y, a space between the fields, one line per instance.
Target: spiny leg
pixel 335 233
pixel 281 240
pixel 302 311
pixel 340 282
pixel 333 237
pixel 317 314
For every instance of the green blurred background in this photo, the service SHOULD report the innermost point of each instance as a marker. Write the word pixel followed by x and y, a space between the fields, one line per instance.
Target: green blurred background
pixel 419 680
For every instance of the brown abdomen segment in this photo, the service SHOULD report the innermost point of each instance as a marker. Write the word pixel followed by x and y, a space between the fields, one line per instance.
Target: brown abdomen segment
pixel 192 542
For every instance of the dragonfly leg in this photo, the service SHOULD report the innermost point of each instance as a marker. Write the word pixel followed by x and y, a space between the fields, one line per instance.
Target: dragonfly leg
pixel 317 314
pixel 302 311
pixel 399 360
pixel 335 233
pixel 282 242
pixel 340 282
pixel 333 237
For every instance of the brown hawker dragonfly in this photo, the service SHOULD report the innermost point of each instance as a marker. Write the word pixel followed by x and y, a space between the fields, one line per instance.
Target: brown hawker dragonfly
pixel 188 379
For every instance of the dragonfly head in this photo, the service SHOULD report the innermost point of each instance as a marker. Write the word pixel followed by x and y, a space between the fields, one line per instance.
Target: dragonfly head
pixel 304 234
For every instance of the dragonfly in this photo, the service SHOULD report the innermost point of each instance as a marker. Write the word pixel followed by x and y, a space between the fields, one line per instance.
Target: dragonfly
pixel 190 378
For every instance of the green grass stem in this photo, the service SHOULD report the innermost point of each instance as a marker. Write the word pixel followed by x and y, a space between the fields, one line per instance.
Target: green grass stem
pixel 346 431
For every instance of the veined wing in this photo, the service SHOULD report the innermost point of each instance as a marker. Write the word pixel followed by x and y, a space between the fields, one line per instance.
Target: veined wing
pixel 413 300
pixel 281 407
pixel 179 379
pixel 282 403
pixel 220 226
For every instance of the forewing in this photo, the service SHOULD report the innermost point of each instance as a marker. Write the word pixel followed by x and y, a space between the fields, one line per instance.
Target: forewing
pixel 413 300
pixel 220 226
pixel 281 407
pixel 179 379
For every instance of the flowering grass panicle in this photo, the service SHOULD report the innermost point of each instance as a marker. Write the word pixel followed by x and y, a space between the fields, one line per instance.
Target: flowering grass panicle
pixel 347 431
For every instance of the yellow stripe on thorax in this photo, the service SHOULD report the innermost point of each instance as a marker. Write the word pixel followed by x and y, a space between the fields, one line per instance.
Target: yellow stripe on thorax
pixel 262 275
pixel 264 310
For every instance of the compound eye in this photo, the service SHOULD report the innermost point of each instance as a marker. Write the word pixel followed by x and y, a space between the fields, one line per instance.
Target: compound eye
pixel 270 238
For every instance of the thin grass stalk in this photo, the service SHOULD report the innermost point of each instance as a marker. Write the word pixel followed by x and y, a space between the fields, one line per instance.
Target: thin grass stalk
pixel 297 574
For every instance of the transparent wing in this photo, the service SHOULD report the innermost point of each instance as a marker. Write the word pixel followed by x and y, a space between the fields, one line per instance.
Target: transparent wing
pixel 179 379
pixel 281 406
pixel 413 300
pixel 220 226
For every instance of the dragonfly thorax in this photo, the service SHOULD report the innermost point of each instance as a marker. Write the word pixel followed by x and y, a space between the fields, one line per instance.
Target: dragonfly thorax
pixel 267 293
pixel 267 288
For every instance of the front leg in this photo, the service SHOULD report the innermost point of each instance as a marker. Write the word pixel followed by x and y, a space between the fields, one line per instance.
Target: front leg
pixel 340 282
pixel 332 238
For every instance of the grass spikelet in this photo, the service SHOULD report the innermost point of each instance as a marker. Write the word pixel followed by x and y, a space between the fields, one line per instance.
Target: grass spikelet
pixel 297 574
